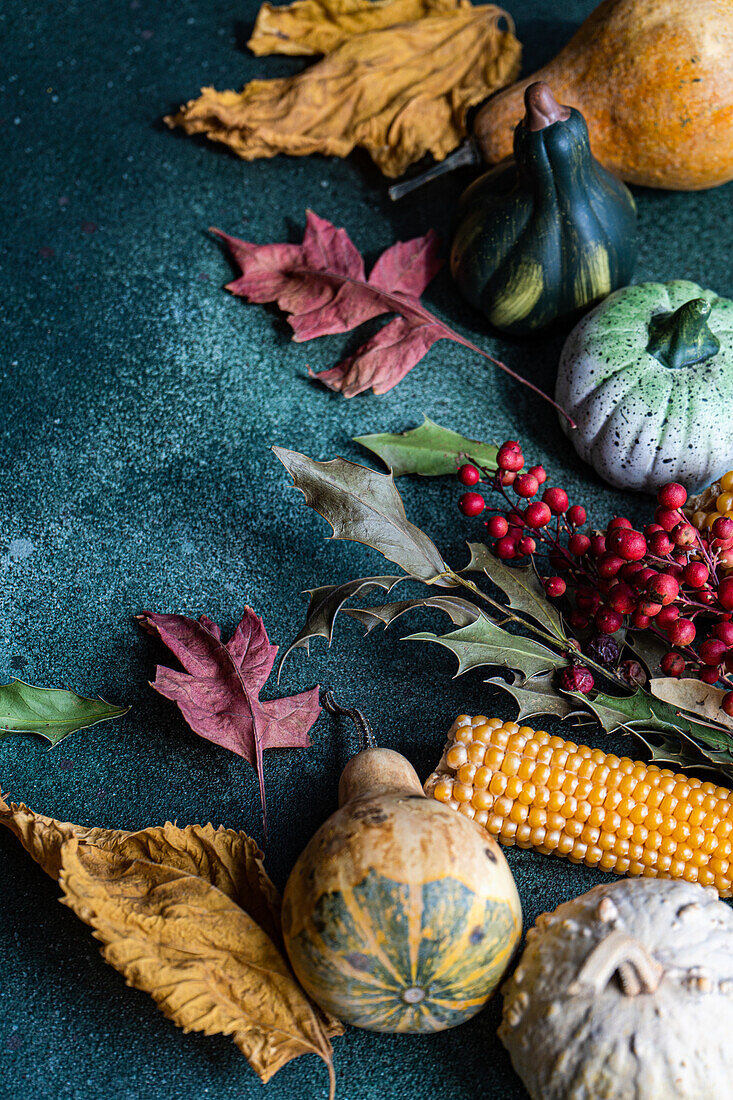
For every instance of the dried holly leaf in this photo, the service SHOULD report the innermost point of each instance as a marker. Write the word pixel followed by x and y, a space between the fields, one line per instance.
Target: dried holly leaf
pixel 429 450
pixel 698 699
pixel 484 643
pixel 521 585
pixel 319 26
pixel 535 696
pixel 364 506
pixel 322 284
pixel 218 694
pixel 325 604
pixel 399 93
pixel 52 713
pixel 461 612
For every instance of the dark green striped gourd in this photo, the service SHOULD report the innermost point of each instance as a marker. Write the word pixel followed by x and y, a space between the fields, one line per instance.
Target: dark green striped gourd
pixel 548 234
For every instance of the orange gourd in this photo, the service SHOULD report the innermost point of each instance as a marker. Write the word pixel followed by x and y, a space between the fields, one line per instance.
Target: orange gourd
pixel 653 80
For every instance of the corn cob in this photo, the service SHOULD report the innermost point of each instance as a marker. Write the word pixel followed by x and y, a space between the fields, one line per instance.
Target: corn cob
pixel 703 510
pixel 528 788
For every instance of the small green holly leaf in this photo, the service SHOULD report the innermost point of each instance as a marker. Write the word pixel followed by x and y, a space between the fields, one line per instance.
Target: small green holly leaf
pixel 364 506
pixel 429 450
pixel 521 586
pixel 52 713
pixel 325 604
pixel 484 643
pixel 535 696
pixel 462 612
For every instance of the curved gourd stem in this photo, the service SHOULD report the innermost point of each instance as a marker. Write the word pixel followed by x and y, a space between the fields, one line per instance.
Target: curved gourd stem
pixel 618 953
pixel 541 107
pixel 466 154
pixel 363 728
pixel 681 338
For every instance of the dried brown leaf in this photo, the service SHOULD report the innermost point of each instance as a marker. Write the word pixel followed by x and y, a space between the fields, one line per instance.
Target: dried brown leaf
pixel 42 837
pixel 319 26
pixel 207 964
pixel 704 700
pixel 399 93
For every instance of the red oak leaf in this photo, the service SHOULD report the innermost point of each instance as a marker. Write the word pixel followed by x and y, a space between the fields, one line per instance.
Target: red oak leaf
pixel 218 693
pixel 322 285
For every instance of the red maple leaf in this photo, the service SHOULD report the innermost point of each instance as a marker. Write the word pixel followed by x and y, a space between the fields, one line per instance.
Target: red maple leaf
pixel 218 693
pixel 322 285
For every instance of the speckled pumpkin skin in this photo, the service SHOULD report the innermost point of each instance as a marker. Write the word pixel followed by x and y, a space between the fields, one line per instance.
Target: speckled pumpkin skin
pixel 400 915
pixel 641 424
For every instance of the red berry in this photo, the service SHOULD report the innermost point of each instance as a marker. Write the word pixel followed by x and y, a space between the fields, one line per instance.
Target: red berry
pixel 555 587
pixel 724 631
pixel 695 574
pixel 672 664
pixel 526 545
pixel 649 607
pixel 526 485
pixel 576 678
pixel 578 620
pixel 468 475
pixel 723 528
pixel 578 544
pixel 557 500
pixel 576 515
pixel 705 595
pixel 660 543
pixel 639 620
pixel 609 565
pixel 497 527
pixel 506 548
pixel 709 674
pixel 667 615
pixel 587 599
pixel 515 519
pixel 651 529
pixel 597 545
pixel 725 593
pixel 619 522
pixel 667 518
pixel 663 589
pixel 472 504
pixel 632 545
pixel 672 495
pixel 537 515
pixel 622 598
pixel 507 477
pixel 727 704
pixel 684 534
pixel 642 578
pixel 539 473
pixel 630 570
pixel 682 632
pixel 712 651
pixel 607 620
pixel 509 457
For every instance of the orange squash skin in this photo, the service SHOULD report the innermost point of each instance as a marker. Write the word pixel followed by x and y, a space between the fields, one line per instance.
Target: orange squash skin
pixel 398 918
pixel 654 81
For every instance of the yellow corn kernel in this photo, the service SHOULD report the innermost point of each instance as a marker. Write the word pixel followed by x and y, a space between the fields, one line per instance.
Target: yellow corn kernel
pixel 538 791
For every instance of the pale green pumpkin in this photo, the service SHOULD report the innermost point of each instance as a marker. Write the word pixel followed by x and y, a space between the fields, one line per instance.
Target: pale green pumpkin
pixel 648 378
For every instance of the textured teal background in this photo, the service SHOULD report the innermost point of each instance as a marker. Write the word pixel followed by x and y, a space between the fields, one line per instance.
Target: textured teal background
pixel 139 403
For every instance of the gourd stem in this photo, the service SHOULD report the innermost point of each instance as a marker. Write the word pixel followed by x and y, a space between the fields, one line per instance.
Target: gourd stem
pixel 359 719
pixel 466 154
pixel 618 953
pixel 681 338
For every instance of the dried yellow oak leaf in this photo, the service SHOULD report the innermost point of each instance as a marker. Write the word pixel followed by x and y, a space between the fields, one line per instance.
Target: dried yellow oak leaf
pixel 42 837
pixel 319 26
pixel 207 964
pixel 399 93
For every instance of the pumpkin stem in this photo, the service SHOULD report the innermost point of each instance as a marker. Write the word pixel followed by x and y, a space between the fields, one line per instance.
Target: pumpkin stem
pixel 542 109
pixel 363 728
pixel 618 953
pixel 681 337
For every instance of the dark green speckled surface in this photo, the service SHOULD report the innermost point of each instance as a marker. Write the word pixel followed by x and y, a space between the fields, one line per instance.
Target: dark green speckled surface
pixel 139 402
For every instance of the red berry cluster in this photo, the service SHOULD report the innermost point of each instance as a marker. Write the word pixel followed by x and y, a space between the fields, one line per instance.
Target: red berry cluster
pixel 667 578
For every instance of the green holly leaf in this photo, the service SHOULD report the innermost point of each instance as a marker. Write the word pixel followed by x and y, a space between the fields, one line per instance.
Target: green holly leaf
pixel 429 450
pixel 462 612
pixel 535 696
pixel 485 643
pixel 52 713
pixel 364 506
pixel 520 584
